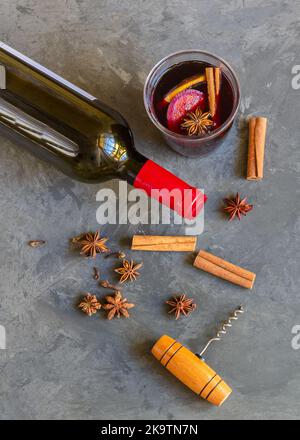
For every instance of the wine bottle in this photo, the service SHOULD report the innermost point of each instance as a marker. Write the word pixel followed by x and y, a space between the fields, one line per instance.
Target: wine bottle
pixel 77 133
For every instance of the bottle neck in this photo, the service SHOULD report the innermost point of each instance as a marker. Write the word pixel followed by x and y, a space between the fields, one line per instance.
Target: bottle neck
pixel 133 167
pixel 165 187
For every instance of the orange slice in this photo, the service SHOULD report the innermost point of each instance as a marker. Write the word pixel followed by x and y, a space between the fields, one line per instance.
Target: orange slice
pixel 186 84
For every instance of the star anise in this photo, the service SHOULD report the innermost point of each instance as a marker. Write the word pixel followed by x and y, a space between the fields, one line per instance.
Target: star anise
pixel 91 243
pixel 236 207
pixel 89 304
pixel 129 270
pixel 117 306
pixel 181 304
pixel 197 123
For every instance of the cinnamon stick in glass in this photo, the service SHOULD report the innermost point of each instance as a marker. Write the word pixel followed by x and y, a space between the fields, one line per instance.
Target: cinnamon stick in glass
pixel 174 243
pixel 224 269
pixel 211 89
pixel 217 78
pixel 256 147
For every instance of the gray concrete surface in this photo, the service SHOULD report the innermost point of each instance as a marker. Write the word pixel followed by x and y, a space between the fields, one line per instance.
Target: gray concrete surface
pixel 60 364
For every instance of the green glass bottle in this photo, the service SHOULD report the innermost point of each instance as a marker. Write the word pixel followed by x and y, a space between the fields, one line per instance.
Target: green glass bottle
pixel 77 133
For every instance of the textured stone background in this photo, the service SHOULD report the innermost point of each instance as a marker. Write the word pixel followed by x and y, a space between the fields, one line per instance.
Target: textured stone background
pixel 59 364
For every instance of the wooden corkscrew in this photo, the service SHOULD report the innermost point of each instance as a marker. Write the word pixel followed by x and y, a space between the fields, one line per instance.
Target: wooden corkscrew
pixel 191 369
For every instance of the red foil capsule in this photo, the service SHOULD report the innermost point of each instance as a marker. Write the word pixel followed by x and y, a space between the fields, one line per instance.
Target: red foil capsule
pixel 187 201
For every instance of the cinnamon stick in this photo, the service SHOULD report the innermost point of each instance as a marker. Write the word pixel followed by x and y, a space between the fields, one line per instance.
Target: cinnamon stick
pixel 211 89
pixel 256 147
pixel 175 243
pixel 217 78
pixel 224 269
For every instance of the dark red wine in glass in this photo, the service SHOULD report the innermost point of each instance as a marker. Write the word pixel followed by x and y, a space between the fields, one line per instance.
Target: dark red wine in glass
pixel 169 75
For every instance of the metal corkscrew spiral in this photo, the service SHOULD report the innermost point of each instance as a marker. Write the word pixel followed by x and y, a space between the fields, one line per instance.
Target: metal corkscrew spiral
pixel 223 329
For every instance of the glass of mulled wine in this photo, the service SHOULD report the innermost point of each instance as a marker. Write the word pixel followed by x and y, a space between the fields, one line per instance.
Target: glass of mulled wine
pixel 193 98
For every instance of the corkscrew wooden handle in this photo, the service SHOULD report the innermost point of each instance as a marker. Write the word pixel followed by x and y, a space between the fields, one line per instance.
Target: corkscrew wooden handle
pixel 191 370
